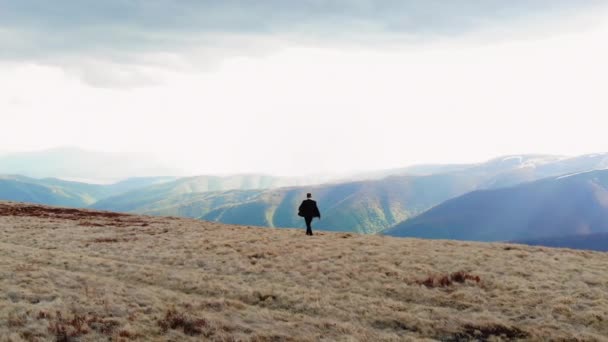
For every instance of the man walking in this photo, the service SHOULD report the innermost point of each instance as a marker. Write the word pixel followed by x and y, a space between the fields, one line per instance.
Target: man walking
pixel 308 209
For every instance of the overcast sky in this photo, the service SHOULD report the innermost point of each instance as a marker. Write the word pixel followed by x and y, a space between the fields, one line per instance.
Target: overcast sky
pixel 305 87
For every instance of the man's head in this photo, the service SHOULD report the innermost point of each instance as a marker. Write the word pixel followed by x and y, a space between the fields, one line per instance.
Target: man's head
pixel 308 195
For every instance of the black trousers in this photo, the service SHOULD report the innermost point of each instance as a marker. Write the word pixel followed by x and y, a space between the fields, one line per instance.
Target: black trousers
pixel 308 220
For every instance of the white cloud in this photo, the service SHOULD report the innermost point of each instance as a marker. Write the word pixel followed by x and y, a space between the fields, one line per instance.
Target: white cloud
pixel 316 108
pixel 115 43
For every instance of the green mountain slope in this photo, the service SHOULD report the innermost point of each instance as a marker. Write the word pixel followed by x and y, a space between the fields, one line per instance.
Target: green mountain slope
pixel 363 206
pixel 54 191
pixel 195 205
pixel 170 194
pixel 558 206
pixel 20 190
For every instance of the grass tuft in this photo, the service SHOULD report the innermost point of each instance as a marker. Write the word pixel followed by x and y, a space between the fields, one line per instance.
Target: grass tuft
pixel 487 333
pixel 446 280
pixel 175 320
pixel 71 328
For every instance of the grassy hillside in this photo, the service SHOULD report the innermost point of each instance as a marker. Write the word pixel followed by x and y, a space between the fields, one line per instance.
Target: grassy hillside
pixel 80 275
pixel 562 206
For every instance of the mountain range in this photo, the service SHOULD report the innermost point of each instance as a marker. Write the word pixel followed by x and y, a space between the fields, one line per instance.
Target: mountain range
pixel 53 191
pixel 435 201
pixel 361 206
pixel 569 205
pixel 365 206
pixel 594 241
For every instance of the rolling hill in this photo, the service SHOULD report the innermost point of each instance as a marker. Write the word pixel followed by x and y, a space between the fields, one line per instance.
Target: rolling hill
pixel 184 191
pixel 367 206
pixel 17 190
pixel 82 275
pixel 574 204
pixel 364 206
pixel 54 191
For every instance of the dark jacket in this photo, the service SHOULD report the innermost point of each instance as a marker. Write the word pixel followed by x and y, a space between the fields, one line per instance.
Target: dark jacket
pixel 308 208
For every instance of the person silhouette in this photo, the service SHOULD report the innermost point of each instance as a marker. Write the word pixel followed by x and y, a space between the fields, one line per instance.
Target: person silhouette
pixel 309 210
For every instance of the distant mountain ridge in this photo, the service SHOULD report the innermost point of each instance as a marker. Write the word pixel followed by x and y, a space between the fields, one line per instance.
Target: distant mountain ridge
pixel 54 191
pixel 568 205
pixel 596 242
pixel 366 206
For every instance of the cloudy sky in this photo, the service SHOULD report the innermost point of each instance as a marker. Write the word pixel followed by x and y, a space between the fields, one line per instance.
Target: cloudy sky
pixel 308 86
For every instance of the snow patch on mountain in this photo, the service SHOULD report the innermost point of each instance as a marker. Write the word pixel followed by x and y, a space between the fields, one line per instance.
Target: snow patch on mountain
pixel 575 173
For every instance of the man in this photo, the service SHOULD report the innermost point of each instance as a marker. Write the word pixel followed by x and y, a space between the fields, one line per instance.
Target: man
pixel 308 209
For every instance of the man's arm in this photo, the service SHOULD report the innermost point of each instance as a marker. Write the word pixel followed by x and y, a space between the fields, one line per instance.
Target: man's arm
pixel 300 213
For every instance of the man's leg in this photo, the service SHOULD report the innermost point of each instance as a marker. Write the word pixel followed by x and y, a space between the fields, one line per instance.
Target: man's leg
pixel 308 227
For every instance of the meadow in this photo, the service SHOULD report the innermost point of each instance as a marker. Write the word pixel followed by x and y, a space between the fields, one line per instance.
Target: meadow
pixel 79 275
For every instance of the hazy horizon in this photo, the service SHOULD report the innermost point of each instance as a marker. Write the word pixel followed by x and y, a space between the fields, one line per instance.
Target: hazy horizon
pixel 179 172
pixel 305 88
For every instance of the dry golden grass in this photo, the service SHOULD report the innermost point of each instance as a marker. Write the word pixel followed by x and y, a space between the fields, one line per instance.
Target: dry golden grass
pixel 71 275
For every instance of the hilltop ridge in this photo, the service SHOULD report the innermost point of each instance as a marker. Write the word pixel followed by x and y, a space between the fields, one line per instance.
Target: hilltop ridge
pixel 97 275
